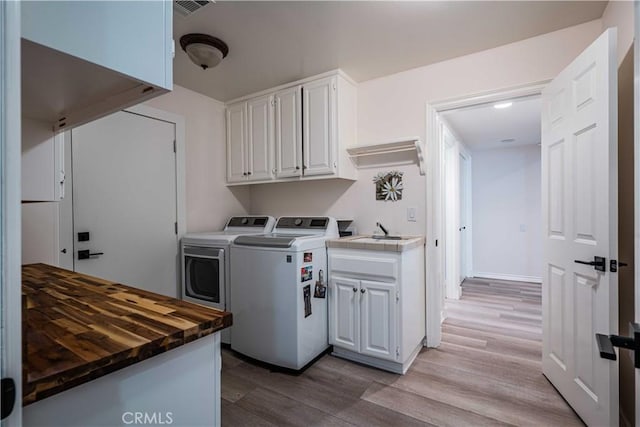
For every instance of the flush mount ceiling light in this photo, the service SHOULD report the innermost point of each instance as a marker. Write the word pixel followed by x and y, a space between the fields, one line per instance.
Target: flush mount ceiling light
pixel 204 50
pixel 508 140
pixel 502 105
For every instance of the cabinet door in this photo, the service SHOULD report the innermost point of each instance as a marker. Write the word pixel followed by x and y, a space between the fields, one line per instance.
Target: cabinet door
pixel 344 313
pixel 319 128
pixel 288 132
pixel 260 138
pixel 378 320
pixel 236 142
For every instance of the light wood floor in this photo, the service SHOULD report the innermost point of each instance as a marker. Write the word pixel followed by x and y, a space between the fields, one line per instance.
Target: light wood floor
pixel 486 372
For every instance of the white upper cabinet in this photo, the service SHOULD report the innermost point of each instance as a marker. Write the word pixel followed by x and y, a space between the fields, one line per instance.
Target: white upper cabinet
pixel 237 142
pixel 85 59
pixel 319 127
pixel 305 135
pixel 288 132
pixel 260 138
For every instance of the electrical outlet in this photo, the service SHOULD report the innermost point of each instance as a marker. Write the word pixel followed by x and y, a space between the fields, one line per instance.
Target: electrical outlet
pixel 411 214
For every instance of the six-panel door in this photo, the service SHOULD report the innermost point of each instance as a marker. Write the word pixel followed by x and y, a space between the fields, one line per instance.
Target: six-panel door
pixel 344 313
pixel 378 335
pixel 288 132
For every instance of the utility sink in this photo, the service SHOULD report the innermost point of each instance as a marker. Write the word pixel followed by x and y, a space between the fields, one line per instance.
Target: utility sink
pixel 379 239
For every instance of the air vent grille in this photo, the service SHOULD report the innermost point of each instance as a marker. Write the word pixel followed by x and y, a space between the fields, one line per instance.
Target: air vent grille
pixel 187 7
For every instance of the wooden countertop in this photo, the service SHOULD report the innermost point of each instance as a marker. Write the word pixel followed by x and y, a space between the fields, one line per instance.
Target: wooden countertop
pixel 367 243
pixel 77 328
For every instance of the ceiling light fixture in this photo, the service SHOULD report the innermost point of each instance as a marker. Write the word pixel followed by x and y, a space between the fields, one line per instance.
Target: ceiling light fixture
pixel 502 105
pixel 508 141
pixel 204 50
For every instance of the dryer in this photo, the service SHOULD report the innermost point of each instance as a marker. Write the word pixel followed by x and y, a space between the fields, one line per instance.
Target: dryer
pixel 205 260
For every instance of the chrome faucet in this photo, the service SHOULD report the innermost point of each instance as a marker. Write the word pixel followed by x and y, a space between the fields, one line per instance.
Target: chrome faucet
pixel 384 230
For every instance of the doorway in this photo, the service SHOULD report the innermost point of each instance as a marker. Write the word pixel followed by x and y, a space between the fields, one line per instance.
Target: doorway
pixel 126 215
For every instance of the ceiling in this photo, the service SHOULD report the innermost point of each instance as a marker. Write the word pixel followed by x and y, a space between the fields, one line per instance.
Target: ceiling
pixel 484 127
pixel 272 43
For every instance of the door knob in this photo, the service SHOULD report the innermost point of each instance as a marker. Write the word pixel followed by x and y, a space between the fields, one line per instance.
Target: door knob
pixel 598 263
pixel 85 254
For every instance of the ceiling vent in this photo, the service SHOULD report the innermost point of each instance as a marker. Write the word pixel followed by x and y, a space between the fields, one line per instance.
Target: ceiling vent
pixel 187 7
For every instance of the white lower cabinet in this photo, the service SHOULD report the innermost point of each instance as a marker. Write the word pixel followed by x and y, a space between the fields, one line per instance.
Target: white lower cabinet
pixel 376 306
pixel 378 321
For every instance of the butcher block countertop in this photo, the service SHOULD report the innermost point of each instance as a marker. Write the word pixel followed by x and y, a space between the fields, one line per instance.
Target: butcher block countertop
pixel 77 328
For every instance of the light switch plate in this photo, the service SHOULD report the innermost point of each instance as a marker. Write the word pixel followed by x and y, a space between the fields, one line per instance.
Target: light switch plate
pixel 411 214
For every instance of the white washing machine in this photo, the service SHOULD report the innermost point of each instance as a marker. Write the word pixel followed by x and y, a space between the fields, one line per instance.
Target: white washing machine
pixel 205 259
pixel 278 315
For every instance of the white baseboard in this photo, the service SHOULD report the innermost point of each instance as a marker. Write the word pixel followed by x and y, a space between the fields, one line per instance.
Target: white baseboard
pixel 512 277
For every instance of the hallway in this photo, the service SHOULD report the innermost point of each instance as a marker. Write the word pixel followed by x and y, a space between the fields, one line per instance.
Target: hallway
pixel 486 372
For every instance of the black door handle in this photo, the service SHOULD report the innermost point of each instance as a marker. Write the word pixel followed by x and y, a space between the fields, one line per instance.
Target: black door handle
pixel 598 263
pixel 8 397
pixel 606 344
pixel 85 254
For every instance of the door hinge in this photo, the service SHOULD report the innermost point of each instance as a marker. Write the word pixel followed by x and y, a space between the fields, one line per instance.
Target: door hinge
pixel 397 296
pixel 174 146
pixel 175 224
pixel 397 351
pixel 334 86
pixel 8 397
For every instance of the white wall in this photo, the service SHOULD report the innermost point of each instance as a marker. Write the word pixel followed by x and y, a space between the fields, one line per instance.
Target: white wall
pixel 394 106
pixel 506 201
pixel 209 202
pixel 620 14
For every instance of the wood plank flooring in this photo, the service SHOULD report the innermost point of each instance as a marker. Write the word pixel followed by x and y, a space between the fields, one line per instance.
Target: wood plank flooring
pixel 486 372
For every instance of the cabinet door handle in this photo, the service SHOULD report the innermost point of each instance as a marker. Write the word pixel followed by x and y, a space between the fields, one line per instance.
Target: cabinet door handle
pixel 363 290
pixel 297 168
pixel 355 289
pixel 248 173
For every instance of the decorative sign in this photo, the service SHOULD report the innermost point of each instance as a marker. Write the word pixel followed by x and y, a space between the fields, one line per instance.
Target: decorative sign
pixel 389 186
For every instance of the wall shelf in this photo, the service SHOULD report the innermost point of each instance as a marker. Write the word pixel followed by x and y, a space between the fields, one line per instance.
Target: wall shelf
pixel 404 151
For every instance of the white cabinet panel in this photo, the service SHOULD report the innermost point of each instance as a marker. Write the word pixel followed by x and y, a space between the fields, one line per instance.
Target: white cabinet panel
pixel 260 138
pixel 288 132
pixel 236 142
pixel 378 320
pixel 344 312
pixel 42 162
pixel 319 126
pixel 132 38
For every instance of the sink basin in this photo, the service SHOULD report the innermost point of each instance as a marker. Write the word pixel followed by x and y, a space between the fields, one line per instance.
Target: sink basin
pixel 378 237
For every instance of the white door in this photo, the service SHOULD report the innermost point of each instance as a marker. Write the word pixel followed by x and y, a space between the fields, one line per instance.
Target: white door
pixel 464 220
pixel 579 202
pixel 236 142
pixel 10 276
pixel 378 336
pixel 124 196
pixel 319 126
pixel 288 132
pixel 260 138
pixel 344 313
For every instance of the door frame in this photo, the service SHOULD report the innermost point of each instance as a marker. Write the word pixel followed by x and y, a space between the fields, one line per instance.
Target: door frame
pixel 435 195
pixel 10 208
pixel 66 215
pixel 636 168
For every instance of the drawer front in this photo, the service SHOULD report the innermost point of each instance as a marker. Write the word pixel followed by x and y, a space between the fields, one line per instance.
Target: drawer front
pixel 360 265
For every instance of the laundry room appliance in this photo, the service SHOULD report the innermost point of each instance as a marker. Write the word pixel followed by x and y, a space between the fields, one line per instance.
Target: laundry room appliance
pixel 206 268
pixel 278 316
